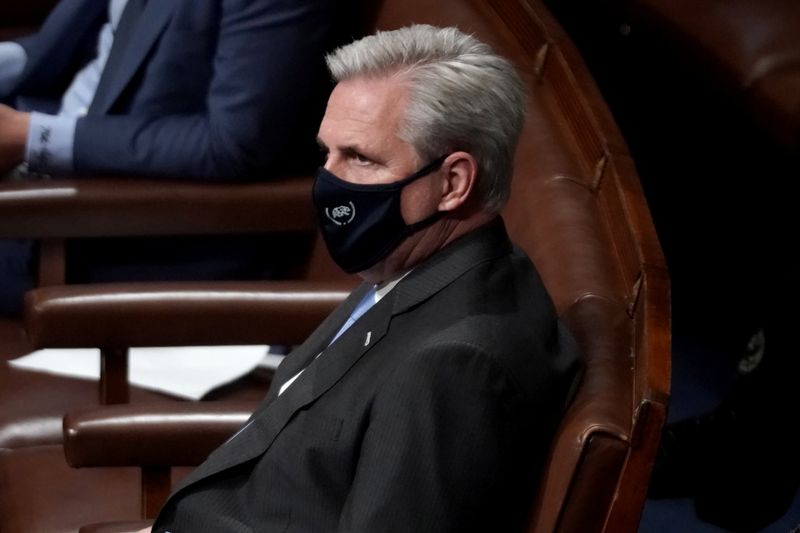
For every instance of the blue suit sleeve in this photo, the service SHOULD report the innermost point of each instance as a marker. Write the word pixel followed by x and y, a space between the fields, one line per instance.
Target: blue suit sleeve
pixel 267 71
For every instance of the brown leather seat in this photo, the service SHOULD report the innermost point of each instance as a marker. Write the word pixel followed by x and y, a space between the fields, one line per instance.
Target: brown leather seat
pixel 578 210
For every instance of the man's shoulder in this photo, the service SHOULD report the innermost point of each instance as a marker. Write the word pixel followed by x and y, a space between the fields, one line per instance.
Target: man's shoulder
pixel 499 302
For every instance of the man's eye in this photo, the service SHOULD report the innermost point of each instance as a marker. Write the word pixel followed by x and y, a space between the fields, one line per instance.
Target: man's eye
pixel 361 159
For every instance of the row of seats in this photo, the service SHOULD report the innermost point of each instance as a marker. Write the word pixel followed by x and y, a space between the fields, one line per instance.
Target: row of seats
pixel 708 94
pixel 576 208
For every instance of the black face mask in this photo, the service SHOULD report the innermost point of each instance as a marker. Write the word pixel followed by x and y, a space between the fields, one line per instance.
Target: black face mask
pixel 362 224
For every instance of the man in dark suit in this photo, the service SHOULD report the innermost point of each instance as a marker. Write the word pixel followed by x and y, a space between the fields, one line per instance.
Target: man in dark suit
pixel 426 402
pixel 187 89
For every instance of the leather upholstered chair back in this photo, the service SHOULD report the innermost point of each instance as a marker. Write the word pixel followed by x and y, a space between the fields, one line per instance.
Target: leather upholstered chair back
pixel 578 210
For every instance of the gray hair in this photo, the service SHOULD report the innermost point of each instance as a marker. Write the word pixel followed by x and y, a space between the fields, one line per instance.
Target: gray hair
pixel 462 96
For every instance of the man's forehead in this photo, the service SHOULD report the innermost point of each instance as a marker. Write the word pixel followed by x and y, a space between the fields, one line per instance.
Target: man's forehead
pixel 364 106
pixel 368 98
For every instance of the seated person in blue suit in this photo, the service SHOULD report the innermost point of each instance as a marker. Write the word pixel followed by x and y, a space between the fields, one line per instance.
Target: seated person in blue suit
pixel 185 89
pixel 427 401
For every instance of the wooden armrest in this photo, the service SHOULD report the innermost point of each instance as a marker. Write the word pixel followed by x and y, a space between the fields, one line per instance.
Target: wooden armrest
pixel 117 527
pixel 180 434
pixel 154 438
pixel 179 313
pixel 111 207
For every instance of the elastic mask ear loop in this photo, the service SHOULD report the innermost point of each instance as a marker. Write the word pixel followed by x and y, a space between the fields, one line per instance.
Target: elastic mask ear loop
pixel 424 171
pixel 421 173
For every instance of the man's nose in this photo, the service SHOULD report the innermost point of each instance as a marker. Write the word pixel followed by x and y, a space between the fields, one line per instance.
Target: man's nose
pixel 333 163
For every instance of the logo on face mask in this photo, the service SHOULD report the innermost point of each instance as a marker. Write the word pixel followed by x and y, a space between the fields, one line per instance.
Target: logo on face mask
pixel 342 215
pixel 356 244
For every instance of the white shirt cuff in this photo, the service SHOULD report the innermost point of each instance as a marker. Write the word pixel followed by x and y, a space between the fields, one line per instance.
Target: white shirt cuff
pixel 50 144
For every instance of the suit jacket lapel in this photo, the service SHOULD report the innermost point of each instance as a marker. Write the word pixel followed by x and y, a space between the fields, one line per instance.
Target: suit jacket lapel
pixel 320 375
pixel 484 244
pixel 340 356
pixel 318 341
pixel 149 27
pixel 255 438
pixel 261 432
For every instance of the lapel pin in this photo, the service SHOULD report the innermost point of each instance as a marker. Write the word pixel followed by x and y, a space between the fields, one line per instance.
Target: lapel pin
pixel 369 336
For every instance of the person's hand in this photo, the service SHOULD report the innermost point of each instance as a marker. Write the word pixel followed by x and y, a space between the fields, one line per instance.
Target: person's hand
pixel 14 127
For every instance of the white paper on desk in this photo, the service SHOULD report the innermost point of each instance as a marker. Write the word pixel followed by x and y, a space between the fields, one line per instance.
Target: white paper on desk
pixel 186 371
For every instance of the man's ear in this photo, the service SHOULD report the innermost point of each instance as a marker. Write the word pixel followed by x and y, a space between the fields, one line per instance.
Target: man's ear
pixel 460 173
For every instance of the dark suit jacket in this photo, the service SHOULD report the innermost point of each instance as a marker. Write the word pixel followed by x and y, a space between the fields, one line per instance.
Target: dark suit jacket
pixel 205 88
pixel 432 413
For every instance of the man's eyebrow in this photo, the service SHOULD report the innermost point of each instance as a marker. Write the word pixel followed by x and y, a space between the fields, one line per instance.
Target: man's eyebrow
pixel 351 150
pixel 347 149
